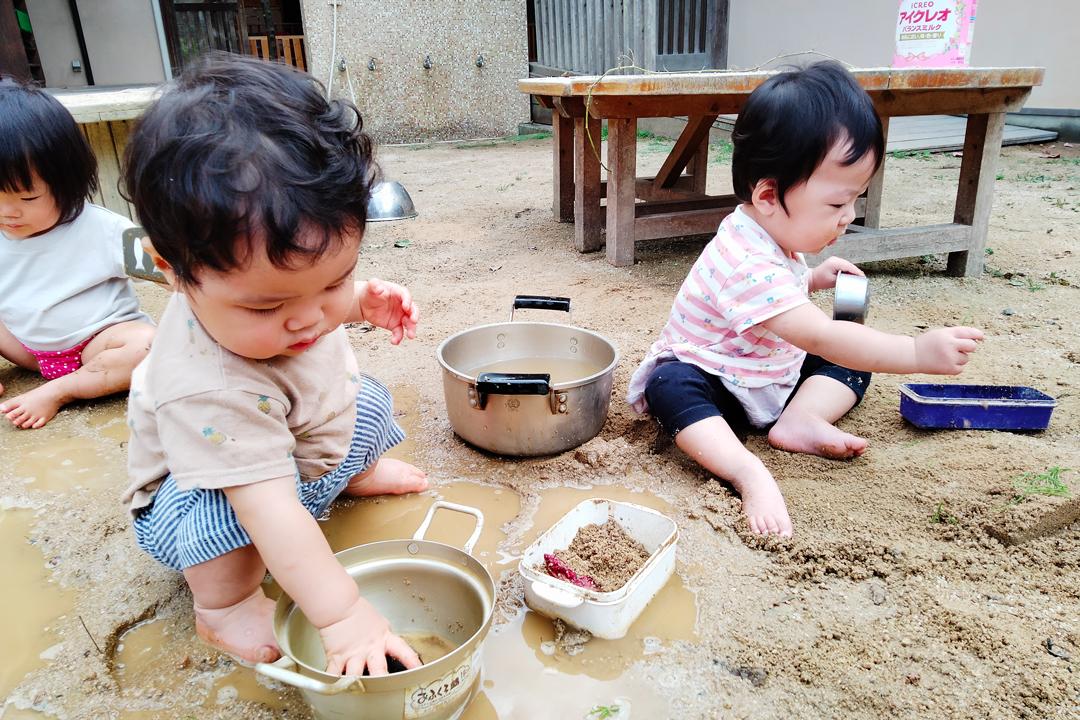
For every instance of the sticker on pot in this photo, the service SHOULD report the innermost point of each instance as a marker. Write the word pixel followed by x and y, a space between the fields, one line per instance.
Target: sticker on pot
pixel 438 693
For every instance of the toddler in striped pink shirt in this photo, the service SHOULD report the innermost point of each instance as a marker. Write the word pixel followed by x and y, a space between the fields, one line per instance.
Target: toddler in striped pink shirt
pixel 744 344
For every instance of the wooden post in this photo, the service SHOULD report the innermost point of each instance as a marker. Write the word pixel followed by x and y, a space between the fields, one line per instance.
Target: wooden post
pixel 717 43
pixel 562 148
pixel 587 184
pixel 975 195
pixel 698 167
pixel 877 183
pixel 622 171
pixel 694 137
pixel 271 33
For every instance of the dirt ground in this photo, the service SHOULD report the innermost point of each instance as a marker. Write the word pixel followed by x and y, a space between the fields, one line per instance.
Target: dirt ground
pixel 907 590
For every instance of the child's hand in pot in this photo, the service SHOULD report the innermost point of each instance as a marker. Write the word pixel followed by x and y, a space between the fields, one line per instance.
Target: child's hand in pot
pixel 363 639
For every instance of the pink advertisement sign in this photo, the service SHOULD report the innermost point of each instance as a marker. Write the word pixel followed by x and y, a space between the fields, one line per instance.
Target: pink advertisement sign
pixel 934 33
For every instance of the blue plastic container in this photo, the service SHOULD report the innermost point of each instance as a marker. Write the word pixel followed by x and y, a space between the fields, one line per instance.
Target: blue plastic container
pixel 976 407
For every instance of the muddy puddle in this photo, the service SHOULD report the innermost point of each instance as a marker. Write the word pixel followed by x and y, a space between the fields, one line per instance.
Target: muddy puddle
pixel 526 675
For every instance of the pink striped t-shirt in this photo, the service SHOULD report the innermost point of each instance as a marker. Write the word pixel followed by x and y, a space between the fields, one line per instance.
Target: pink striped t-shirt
pixel 741 279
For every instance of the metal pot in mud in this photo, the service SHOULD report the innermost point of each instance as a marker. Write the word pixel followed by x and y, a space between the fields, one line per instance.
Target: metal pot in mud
pixel 528 388
pixel 437 597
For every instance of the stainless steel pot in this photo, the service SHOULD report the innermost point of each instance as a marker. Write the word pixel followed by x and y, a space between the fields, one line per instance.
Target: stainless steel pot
pixel 851 298
pixel 544 411
pixel 420 587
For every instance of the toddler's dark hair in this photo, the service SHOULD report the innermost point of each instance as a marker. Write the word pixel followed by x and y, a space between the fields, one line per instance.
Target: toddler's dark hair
pixel 790 122
pixel 240 153
pixel 39 136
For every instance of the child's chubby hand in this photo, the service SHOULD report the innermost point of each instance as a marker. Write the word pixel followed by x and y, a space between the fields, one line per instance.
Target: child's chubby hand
pixel 945 351
pixel 363 639
pixel 824 275
pixel 390 306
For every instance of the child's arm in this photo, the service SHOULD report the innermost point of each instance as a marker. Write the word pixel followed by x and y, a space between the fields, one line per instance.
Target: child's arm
pixel 296 553
pixel 386 305
pixel 824 275
pixel 937 352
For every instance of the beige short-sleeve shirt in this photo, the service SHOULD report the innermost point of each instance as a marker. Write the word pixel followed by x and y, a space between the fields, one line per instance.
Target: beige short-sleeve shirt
pixel 214 419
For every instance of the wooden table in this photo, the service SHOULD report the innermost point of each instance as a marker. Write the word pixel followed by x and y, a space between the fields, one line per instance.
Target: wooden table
pixel 674 202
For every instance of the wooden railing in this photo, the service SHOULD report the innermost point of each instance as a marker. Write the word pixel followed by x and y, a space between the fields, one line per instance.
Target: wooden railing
pixel 291 49
pixel 593 36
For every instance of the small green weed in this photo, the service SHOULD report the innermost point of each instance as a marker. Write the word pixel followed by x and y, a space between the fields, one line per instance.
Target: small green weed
pixel 530 136
pixel 941 515
pixel 1000 176
pixel 925 154
pixel 645 135
pixel 470 146
pixel 1033 286
pixel 603 712
pixel 722 151
pixel 916 442
pixel 1047 483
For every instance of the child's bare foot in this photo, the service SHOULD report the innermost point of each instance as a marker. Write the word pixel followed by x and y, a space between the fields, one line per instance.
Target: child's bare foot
pixel 388 477
pixel 33 409
pixel 244 630
pixel 764 506
pixel 808 433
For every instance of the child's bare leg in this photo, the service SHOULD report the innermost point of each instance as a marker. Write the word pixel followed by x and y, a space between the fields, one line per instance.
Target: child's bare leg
pixel 806 425
pixel 231 610
pixel 11 349
pixel 107 364
pixel 716 448
pixel 387 477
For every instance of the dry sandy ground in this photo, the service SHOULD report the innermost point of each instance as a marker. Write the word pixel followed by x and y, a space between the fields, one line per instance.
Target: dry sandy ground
pixel 906 592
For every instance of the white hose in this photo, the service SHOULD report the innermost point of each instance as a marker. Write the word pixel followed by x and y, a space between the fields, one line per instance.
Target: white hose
pixel 333 51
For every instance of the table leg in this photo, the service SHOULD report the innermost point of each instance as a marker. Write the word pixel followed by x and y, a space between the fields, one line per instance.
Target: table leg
pixel 562 161
pixel 622 177
pixel 698 167
pixel 975 195
pixel 587 185
pixel 873 192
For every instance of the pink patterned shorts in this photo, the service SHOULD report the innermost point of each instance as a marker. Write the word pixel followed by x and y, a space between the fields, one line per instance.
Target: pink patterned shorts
pixel 61 362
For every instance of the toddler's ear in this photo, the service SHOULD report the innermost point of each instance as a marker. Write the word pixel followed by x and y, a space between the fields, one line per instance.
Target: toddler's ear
pixel 766 200
pixel 159 262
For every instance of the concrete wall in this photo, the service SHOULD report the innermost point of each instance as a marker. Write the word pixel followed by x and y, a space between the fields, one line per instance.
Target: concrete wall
pixel 400 100
pixel 57 44
pixel 121 40
pixel 1040 33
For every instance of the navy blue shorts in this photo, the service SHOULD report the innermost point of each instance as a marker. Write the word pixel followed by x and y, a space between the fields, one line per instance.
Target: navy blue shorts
pixel 680 393
pixel 187 527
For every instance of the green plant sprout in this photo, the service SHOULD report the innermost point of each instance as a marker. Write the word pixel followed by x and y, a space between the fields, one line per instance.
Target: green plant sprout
pixel 941 515
pixel 1033 286
pixel 916 442
pixel 1047 483
pixel 603 712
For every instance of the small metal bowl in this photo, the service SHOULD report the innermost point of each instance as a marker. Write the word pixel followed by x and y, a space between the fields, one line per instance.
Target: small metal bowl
pixel 851 300
pixel 390 201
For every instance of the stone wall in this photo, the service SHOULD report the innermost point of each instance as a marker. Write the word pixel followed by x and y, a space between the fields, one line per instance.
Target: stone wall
pixel 401 100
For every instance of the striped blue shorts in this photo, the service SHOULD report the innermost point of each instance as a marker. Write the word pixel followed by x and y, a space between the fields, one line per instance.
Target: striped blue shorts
pixel 187 527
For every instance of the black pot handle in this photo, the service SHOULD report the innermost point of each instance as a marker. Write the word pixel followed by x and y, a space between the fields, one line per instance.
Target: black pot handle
pixel 513 383
pixel 541 302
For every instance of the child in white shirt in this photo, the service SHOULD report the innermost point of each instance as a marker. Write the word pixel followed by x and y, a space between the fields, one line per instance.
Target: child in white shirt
pixel 67 308
pixel 744 343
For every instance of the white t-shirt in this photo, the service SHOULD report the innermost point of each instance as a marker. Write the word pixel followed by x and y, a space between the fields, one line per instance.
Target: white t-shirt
pixel 67 285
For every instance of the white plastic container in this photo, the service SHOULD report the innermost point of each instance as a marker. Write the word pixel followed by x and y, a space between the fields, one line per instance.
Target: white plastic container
pixel 606 615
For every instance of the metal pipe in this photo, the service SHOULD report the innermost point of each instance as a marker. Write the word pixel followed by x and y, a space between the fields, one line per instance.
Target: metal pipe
pixel 74 6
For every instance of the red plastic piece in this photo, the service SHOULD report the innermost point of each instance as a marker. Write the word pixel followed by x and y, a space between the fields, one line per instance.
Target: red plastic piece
pixel 556 568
